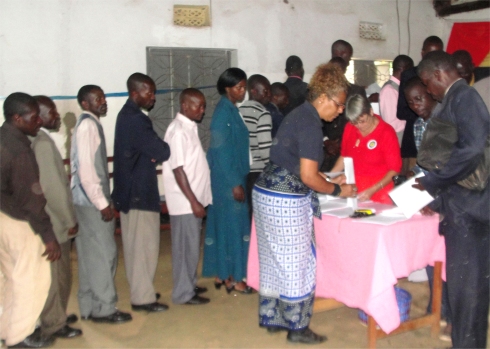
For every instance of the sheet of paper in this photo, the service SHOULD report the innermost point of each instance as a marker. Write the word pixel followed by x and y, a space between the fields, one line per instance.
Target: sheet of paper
pixel 333 174
pixel 408 199
pixel 341 213
pixel 350 178
pixel 333 205
pixel 325 197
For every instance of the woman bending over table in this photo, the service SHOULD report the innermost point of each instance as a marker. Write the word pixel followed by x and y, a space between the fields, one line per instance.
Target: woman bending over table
pixel 373 145
pixel 284 203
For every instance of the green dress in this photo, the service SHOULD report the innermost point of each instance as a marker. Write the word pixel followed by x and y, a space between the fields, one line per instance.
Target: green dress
pixel 228 223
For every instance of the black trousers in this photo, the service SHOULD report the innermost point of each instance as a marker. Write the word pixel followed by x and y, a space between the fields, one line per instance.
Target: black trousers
pixel 467 271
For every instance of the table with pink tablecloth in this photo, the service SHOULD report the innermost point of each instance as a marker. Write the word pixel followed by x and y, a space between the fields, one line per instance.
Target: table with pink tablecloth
pixel 359 263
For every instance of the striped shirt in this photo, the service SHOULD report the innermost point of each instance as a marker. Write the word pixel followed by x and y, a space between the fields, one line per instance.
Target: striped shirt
pixel 259 124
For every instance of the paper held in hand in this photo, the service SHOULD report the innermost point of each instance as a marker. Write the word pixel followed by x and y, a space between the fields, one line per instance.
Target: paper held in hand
pixel 410 200
pixel 350 178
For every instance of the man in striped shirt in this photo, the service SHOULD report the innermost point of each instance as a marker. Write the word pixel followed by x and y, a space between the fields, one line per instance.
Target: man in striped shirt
pixel 259 124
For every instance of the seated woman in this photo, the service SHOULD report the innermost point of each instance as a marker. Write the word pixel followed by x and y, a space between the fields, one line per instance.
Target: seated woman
pixel 373 146
pixel 284 203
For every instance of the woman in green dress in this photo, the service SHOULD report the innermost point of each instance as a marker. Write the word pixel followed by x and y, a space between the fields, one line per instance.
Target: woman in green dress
pixel 228 223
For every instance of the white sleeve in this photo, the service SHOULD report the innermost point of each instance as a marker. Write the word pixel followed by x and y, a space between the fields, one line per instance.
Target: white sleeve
pixel 88 141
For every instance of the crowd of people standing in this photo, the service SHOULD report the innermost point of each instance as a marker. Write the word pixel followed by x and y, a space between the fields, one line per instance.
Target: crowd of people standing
pixel 264 167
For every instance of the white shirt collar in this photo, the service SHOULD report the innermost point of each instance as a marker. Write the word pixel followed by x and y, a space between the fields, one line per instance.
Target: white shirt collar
pixel 184 119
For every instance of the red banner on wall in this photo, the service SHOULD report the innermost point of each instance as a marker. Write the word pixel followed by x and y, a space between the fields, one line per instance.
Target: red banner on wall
pixel 472 37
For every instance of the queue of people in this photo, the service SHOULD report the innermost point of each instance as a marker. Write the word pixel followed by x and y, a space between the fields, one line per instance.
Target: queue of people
pixel 265 166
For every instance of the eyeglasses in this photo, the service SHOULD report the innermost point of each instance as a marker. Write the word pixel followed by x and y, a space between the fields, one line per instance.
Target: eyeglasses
pixel 339 105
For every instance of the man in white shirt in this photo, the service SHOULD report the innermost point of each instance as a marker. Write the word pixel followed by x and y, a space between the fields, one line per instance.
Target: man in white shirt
pixel 388 96
pixel 96 247
pixel 187 192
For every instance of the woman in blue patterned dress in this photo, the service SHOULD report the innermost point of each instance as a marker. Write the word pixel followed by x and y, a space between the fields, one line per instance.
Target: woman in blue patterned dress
pixel 228 223
pixel 284 203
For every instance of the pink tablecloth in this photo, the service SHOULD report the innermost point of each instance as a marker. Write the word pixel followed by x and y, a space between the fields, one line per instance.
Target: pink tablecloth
pixel 359 263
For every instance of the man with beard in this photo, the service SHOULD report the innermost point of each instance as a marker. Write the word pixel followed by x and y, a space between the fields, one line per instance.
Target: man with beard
pixel 96 247
pixel 137 151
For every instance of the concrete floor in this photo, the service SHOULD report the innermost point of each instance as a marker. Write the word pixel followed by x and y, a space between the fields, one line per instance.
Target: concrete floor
pixel 228 321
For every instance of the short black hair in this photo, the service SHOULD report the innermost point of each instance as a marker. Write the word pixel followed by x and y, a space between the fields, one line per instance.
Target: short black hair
pixel 437 60
pixel 433 40
pixel 255 80
pixel 463 57
pixel 294 64
pixel 135 81
pixel 229 78
pixel 402 62
pixel 85 91
pixel 412 82
pixel 341 44
pixel 278 88
pixel 339 61
pixel 18 103
pixel 188 92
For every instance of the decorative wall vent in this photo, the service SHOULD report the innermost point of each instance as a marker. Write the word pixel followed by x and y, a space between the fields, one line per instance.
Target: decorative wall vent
pixel 191 16
pixel 371 31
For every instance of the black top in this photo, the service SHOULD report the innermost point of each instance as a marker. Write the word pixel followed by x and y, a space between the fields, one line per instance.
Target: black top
pixel 21 195
pixel 297 93
pixel 276 116
pixel 300 136
pixel 403 112
pixel 137 151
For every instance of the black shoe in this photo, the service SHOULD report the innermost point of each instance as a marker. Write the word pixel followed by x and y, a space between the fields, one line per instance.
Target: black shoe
pixel 71 319
pixel 151 307
pixel 197 300
pixel 305 336
pixel 199 290
pixel 217 285
pixel 67 332
pixel 35 340
pixel 275 329
pixel 116 318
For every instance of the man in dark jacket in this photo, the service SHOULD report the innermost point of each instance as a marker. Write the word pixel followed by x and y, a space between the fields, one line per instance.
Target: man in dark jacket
pixel 137 150
pixel 465 224
pixel 295 84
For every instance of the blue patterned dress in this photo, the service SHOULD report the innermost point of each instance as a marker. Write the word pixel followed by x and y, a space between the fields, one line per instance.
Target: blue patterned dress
pixel 283 211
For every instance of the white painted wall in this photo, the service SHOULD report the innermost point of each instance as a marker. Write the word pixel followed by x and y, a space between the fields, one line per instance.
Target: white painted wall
pixel 54 47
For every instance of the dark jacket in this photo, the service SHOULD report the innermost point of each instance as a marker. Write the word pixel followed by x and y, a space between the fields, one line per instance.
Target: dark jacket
pixel 403 112
pixel 463 107
pixel 21 196
pixel 137 151
pixel 297 93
